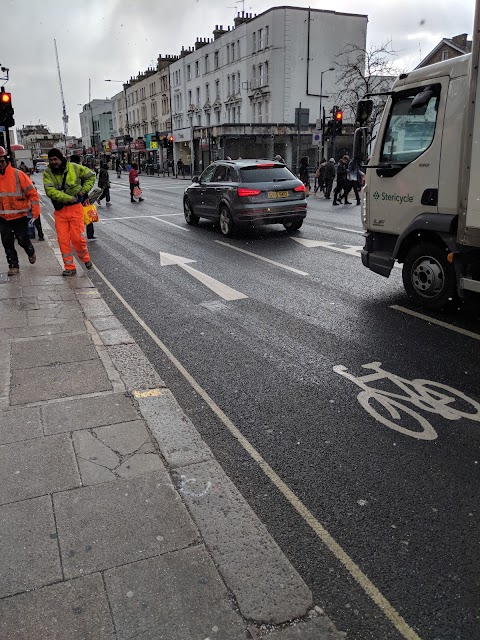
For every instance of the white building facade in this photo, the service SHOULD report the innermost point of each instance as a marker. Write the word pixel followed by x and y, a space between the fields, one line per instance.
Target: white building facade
pixel 96 126
pixel 236 95
pixel 141 116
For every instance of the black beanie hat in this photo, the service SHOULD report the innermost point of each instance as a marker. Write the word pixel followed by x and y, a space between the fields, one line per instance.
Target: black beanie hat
pixel 56 153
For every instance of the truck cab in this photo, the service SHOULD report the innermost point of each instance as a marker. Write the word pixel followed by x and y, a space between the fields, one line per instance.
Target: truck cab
pixel 412 200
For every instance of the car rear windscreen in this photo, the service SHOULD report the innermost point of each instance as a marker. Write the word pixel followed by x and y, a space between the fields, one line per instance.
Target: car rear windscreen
pixel 266 174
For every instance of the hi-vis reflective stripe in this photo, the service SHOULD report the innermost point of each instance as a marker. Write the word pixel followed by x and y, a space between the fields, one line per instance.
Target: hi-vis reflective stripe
pixel 34 201
pixel 30 186
pixel 18 191
pixel 11 212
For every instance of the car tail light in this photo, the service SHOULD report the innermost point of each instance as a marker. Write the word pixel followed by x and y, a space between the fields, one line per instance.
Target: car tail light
pixel 248 192
pixel 262 166
pixel 301 187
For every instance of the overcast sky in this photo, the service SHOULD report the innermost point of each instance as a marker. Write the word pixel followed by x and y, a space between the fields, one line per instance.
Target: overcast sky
pixel 116 39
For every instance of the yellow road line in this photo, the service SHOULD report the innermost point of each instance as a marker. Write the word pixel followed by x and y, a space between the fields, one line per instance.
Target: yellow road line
pixel 361 578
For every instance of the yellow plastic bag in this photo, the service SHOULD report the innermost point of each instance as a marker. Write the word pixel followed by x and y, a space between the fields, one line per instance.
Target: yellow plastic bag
pixel 90 214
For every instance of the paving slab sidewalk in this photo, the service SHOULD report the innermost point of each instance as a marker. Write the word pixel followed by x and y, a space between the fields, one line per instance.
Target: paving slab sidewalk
pixel 101 535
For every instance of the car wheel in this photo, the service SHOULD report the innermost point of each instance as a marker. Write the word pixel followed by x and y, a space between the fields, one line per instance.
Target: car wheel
pixel 429 279
pixel 227 226
pixel 190 217
pixel 293 226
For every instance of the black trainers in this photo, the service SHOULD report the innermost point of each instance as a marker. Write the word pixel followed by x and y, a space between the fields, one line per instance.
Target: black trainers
pixel 13 271
pixel 32 259
pixel 68 273
pixel 41 238
pixel 89 264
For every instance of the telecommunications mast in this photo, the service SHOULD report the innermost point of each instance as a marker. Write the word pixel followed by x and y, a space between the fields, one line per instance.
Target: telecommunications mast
pixel 64 117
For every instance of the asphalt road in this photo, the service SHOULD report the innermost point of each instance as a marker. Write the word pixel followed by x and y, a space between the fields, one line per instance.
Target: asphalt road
pixel 400 496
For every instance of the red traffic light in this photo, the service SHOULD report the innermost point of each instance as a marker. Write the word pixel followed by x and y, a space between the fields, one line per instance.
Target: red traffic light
pixel 6 97
pixel 339 115
pixel 170 138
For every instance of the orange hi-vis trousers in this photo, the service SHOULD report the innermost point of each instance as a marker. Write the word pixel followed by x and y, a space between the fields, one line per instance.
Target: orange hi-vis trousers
pixel 70 230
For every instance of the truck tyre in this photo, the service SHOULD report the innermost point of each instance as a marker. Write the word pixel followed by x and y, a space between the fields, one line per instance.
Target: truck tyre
pixel 429 279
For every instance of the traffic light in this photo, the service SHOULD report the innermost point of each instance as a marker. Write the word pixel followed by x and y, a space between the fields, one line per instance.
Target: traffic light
pixel 338 121
pixel 329 128
pixel 6 109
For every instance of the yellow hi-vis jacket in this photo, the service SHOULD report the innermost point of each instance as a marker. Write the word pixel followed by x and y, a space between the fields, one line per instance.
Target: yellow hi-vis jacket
pixel 17 195
pixel 78 178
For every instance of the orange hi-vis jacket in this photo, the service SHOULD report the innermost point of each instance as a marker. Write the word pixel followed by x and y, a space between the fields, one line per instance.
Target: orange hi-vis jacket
pixel 17 195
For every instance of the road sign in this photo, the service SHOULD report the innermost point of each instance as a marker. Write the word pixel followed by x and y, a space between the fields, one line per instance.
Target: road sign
pixel 2 129
pixel 318 124
pixel 316 138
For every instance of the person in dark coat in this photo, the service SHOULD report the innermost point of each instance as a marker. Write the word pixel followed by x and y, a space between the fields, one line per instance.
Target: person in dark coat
pixel 104 183
pixel 341 188
pixel 355 177
pixel 304 175
pixel 329 177
pixel 320 176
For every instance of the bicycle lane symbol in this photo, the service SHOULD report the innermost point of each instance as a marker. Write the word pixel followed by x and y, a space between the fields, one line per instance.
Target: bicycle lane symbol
pixel 426 395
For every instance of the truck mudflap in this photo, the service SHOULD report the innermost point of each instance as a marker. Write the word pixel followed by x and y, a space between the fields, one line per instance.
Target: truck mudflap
pixel 377 254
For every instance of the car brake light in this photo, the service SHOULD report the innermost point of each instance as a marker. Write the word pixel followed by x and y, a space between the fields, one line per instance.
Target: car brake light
pixel 248 192
pixel 262 166
pixel 301 187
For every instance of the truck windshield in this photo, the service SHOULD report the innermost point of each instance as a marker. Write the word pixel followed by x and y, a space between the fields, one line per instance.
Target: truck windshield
pixel 410 130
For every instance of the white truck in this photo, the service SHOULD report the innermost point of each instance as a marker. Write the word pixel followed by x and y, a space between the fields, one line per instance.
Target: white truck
pixel 421 202
pixel 25 156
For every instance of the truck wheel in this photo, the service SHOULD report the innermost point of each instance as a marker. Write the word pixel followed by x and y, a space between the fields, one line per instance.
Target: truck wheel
pixel 429 279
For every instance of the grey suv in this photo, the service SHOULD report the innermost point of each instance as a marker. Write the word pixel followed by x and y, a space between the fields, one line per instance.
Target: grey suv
pixel 240 192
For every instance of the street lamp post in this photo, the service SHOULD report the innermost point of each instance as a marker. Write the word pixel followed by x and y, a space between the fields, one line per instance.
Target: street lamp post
pixel 320 154
pixel 125 85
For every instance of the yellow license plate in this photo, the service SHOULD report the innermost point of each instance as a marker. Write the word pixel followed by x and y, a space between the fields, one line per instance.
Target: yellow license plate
pixel 278 194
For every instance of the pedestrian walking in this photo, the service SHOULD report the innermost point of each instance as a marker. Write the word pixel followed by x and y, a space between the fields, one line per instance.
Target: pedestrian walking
pixel 180 167
pixel 119 168
pixel 134 181
pixel 104 183
pixel 341 188
pixel 304 175
pixel 67 185
pixel 320 176
pixel 329 177
pixel 355 177
pixel 17 197
pixel 23 167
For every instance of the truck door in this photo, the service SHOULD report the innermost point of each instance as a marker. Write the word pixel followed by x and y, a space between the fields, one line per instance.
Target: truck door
pixel 404 180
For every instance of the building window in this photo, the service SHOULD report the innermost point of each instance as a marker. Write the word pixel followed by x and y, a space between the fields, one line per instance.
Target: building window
pixel 228 54
pixel 266 36
pixel 259 112
pixel 207 92
pixel 238 114
pixel 232 111
pixel 189 98
pixel 197 69
pixel 215 59
pixel 189 72
pixel 198 96
pixel 234 89
pixel 207 64
pixel 208 119
pixel 254 42
pixel 267 109
pixel 199 119
pixel 233 52
pixel 238 50
pixel 261 43
pixel 266 72
pixel 218 116
pixel 253 112
pixel 228 85
pixel 261 75
pixel 254 77
pixel 238 81
pixel 217 89
pixel 444 55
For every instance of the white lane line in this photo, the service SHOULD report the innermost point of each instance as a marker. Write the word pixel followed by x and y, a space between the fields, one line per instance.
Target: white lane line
pixel 350 230
pixel 183 228
pixel 332 545
pixel 445 325
pixel 145 216
pixel 249 253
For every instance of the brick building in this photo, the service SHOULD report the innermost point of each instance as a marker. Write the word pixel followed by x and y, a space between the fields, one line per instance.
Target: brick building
pixel 447 48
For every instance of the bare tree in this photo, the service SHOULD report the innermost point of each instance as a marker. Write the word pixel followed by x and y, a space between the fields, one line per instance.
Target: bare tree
pixel 361 71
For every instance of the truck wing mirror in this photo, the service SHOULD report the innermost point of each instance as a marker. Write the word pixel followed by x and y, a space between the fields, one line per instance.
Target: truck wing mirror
pixel 422 99
pixel 360 144
pixel 364 111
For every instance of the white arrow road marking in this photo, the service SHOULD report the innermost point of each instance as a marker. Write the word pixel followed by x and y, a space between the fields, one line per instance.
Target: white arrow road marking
pixel 351 250
pixel 350 230
pixel 277 264
pixel 222 290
